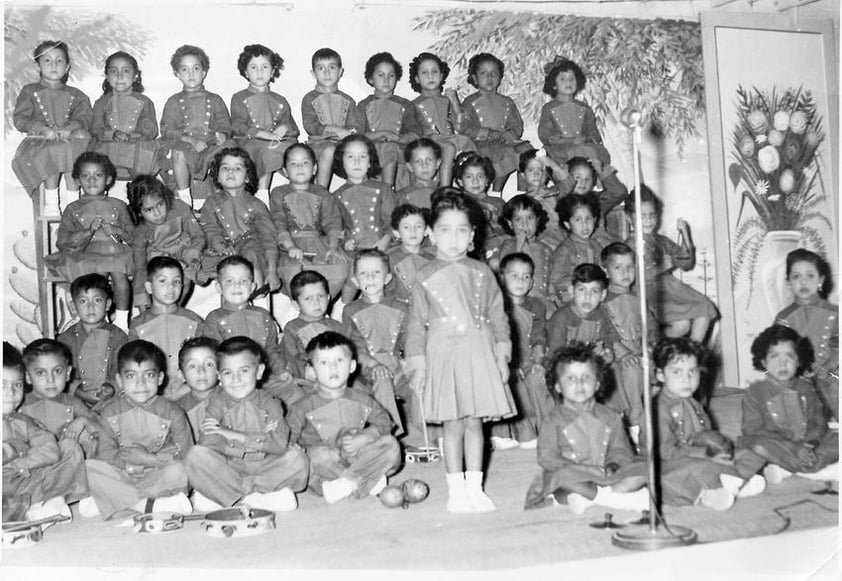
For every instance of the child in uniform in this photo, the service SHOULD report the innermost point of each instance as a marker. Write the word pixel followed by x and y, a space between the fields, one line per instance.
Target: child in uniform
pixel 474 175
pixel 534 171
pixel 93 341
pixel 409 228
pixel 197 368
pixel 245 453
pixel 423 160
pixel 579 215
pixel 589 176
pixel 328 114
pixel 166 324
pixel 143 442
pixel 345 432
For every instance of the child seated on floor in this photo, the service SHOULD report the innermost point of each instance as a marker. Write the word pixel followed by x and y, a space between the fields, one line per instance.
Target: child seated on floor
pixel 197 367
pixel 409 228
pixel 166 324
pixel 583 451
pixel 579 215
pixel 139 466
pixel 244 453
pixel 697 463
pixel 423 160
pixel 783 418
pixel 48 370
pixel 93 341
pixel 39 476
pixel 345 432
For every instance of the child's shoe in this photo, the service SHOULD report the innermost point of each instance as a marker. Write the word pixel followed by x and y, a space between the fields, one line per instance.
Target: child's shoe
pixel 755 485
pixel 829 472
pixel 774 474
pixel 716 498
pixel 202 503
pixel 578 503
pixel 177 503
pixel 499 443
pixel 637 500
pixel 55 506
pixel 88 508
pixel 457 494
pixel 378 486
pixel 479 500
pixel 529 444
pixel 731 483
pixel 282 500
pixel 338 490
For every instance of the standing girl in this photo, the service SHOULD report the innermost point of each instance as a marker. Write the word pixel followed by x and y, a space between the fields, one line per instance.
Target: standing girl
pixel 474 174
pixel 56 120
pixel 165 227
pixel 125 125
pixel 812 316
pixel 439 112
pixel 679 308
pixel 95 233
pixel 238 223
pixel 458 348
pixel 261 120
pixel 492 120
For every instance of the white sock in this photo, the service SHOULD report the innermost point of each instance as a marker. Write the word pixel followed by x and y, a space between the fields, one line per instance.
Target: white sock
pixel 457 495
pixel 479 499
pixel 637 500
pixel 184 196
pixel 51 207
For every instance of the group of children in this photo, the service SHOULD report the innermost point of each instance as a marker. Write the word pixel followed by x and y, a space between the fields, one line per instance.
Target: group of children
pixel 459 308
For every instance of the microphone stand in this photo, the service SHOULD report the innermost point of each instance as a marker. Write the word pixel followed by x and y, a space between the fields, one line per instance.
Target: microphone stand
pixel 646 536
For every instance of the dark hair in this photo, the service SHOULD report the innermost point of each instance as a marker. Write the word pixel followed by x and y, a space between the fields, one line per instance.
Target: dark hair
pixel 329 340
pixel 574 353
pixel 189 50
pixel 12 358
pixel 159 263
pixel 525 158
pixel 673 348
pixel 237 345
pixel 239 152
pixel 804 255
pixel 646 195
pixel 324 54
pixel 776 334
pixel 567 205
pixel 137 84
pixel 614 249
pixel 403 210
pixel 560 65
pixel 522 202
pixel 373 160
pixel 139 351
pixel 589 272
pixel 87 282
pixel 448 198
pixel 254 50
pixel 234 260
pixel 579 161
pixel 144 186
pixel 418 144
pixel 200 342
pixel 303 147
pixel 380 58
pixel 99 159
pixel 468 159
pixel 41 347
pixel 371 253
pixel 48 45
pixel 517 257
pixel 416 63
pixel 305 277
pixel 477 60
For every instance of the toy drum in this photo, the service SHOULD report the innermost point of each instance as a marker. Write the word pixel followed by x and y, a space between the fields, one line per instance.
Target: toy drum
pixel 422 454
pixel 27 533
pixel 239 521
pixel 161 522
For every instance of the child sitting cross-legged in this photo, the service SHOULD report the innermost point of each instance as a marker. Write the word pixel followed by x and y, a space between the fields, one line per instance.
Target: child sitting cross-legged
pixel 197 367
pixel 346 433
pixel 244 454
pixel 139 466
pixel 584 454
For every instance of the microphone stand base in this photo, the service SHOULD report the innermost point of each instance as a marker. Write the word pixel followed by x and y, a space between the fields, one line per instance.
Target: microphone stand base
pixel 643 538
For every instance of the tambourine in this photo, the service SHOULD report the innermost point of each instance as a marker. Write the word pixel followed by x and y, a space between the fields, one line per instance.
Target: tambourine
pixel 27 533
pixel 423 454
pixel 239 521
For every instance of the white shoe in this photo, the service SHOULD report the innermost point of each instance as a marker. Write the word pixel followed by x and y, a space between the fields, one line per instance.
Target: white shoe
pixel 202 503
pixel 733 484
pixel 578 503
pixel 378 486
pixel 88 508
pixel 774 474
pixel 717 499
pixel 55 506
pixel 637 500
pixel 282 500
pixel 51 209
pixel 177 503
pixel 755 485
pixel 337 490
pixel 457 495
pixel 499 443
pixel 479 500
pixel 529 444
pixel 829 472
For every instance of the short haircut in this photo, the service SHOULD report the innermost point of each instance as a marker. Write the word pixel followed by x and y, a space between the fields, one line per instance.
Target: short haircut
pixel 822 266
pixel 234 260
pixel 615 249
pixel 775 334
pixel 373 159
pixel 88 282
pixel 468 159
pixel 254 50
pixel 560 65
pixel 12 358
pixel 673 348
pixel 516 257
pixel 189 50
pixel 325 54
pixel 588 272
pixel 415 64
pixel 200 342
pixel 159 263
pixel 418 144
pixel 99 159
pixel 305 277
pixel 477 60
pixel 248 162
pixel 237 345
pixel 329 340
pixel 646 195
pixel 41 347
pixel 380 58
pixel 145 186
pixel 140 351
pixel 574 353
pixel 371 253
pixel 518 203
pixel 567 205
pixel 301 146
pixel 403 210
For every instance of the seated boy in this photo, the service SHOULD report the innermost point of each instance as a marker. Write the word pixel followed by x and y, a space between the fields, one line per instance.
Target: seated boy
pixel 142 444
pixel 197 367
pixel 166 324
pixel 93 341
pixel 345 432
pixel 585 176
pixel 409 227
pixel 423 159
pixel 38 479
pixel 244 453
pixel 47 364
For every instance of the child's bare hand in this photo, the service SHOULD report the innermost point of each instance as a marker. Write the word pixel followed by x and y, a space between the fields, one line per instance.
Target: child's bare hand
pixel 336 256
pixel 600 350
pixel 295 253
pixel 381 372
pixel 121 135
pixel 220 137
pixel 806 456
pixel 285 377
pixel 630 361
pixel 219 247
pixel 597 165
pixel 191 255
pixel 210 427
pixel 350 245
pixel 74 429
pixel 683 226
pixel 383 244
pixel 390 136
pixel 49 133
pixel 351 444
pixel 271 426
pixel 281 130
pixel 199 145
pixel 63 134
pixel 537 369
pixel 96 224
pixel 273 281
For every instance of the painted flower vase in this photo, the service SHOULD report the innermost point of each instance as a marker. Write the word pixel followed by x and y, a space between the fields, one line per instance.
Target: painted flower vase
pixel 772 260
